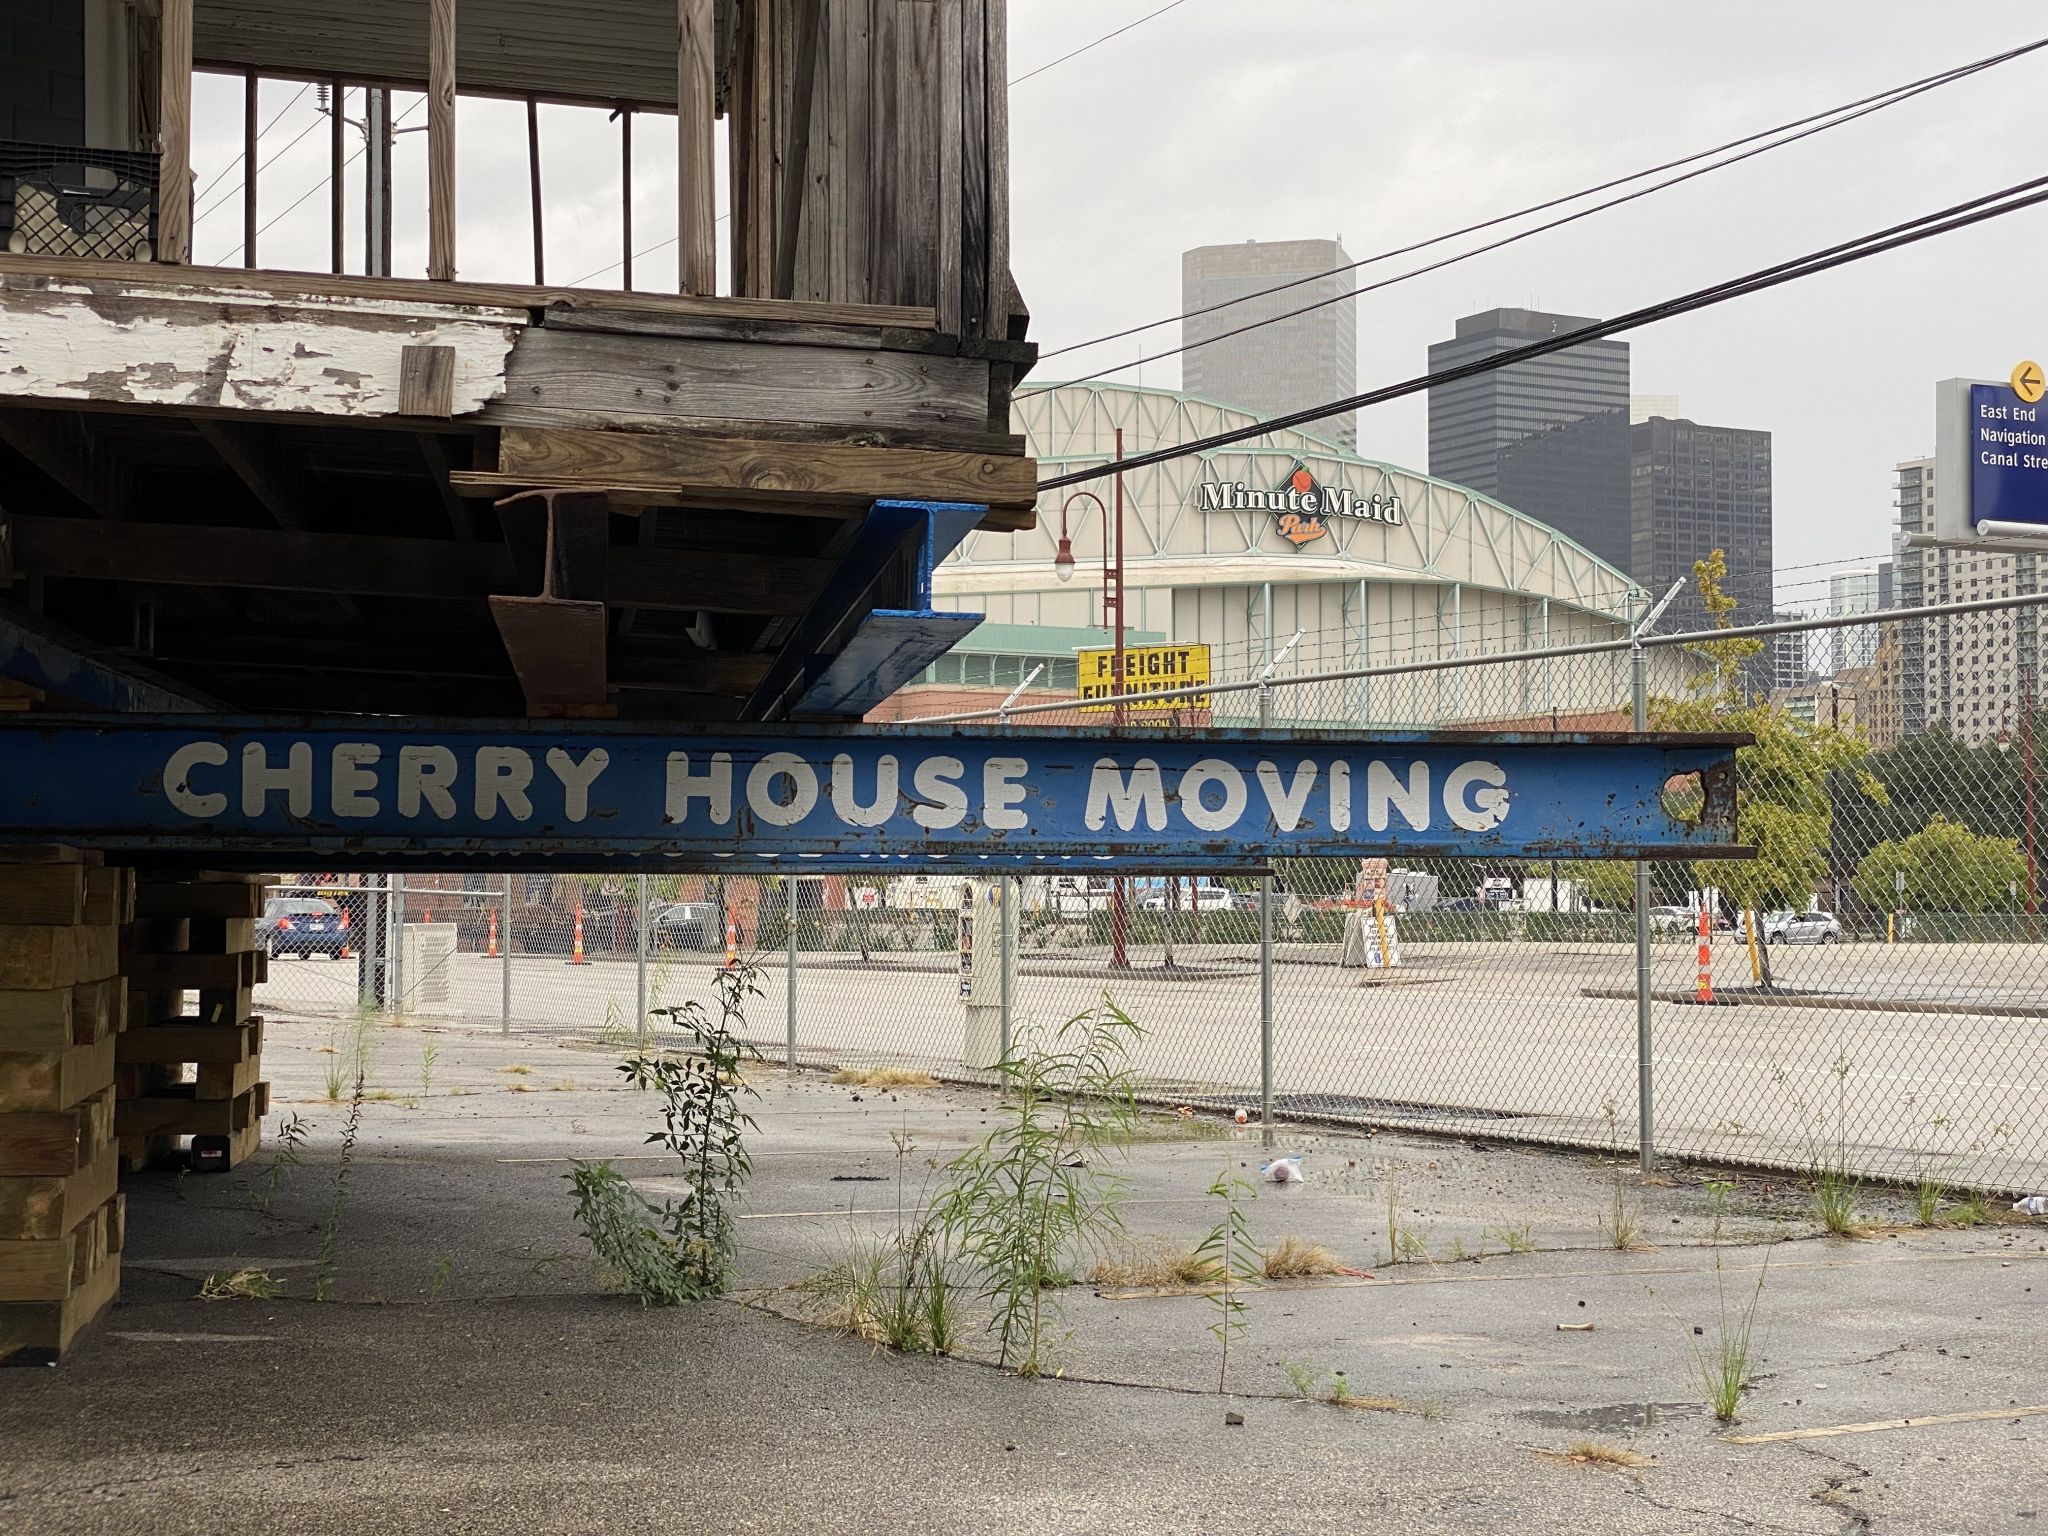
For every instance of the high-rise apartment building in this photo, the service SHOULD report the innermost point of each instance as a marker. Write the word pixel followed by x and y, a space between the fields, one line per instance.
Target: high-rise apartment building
pixel 1694 489
pixel 1287 365
pixel 1969 675
pixel 1548 436
pixel 1851 593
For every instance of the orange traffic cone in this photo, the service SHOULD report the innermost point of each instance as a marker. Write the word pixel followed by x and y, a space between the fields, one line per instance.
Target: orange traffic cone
pixel 491 936
pixel 732 942
pixel 1705 994
pixel 576 954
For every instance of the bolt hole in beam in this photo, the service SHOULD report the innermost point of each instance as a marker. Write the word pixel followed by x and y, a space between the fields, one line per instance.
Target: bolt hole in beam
pixel 561 793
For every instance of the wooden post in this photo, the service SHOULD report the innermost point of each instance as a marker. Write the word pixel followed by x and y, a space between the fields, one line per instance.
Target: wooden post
pixel 540 265
pixel 997 320
pixel 696 188
pixel 441 140
pixel 174 133
pixel 336 181
pixel 626 193
pixel 250 133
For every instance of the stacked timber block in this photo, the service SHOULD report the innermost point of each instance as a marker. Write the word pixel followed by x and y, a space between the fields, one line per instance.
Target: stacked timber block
pixel 194 934
pixel 62 1007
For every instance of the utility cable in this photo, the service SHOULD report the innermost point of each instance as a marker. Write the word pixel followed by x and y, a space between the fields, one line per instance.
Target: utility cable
pixel 1830 118
pixel 1976 210
pixel 1106 37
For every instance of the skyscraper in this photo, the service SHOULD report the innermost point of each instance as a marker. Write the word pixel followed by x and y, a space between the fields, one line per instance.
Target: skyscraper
pixel 1853 592
pixel 1548 436
pixel 1287 365
pixel 1695 489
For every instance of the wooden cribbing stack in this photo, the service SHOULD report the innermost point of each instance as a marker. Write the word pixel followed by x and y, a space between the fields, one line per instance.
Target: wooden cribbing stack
pixel 193 933
pixel 62 1009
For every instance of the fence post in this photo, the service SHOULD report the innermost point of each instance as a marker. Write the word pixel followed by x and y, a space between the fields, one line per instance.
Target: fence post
pixel 640 962
pixel 370 968
pixel 789 981
pixel 1639 703
pixel 1265 968
pixel 1005 885
pixel 505 960
pixel 394 950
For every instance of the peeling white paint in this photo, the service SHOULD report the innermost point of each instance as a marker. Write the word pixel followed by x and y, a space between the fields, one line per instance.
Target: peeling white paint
pixel 236 348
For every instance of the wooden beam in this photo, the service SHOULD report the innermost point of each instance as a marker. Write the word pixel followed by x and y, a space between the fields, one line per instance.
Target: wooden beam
pixel 997 291
pixel 171 555
pixel 278 485
pixel 681 580
pixel 174 133
pixel 63 448
pixel 696 188
pixel 123 275
pixel 557 647
pixel 720 672
pixel 804 473
pixel 796 167
pixel 250 133
pixel 426 381
pixel 441 140
pixel 947 220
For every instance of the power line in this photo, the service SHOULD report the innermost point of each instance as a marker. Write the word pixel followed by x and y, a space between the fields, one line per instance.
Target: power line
pixel 1830 118
pixel 229 196
pixel 1107 36
pixel 360 150
pixel 200 195
pixel 1976 210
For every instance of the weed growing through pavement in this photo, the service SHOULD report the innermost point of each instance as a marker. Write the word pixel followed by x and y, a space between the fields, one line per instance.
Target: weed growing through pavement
pixel 334 1073
pixel 430 1052
pixel 1295 1258
pixel 1393 1217
pixel 1306 1380
pixel 899 1292
pixel 1414 1246
pixel 443 1268
pixel 330 1235
pixel 1158 1265
pixel 1623 1222
pixel 1726 1363
pixel 1718 1191
pixel 1035 1189
pixel 883 1077
pixel 1837 1192
pixel 1596 1453
pixel 1229 1247
pixel 1973 1210
pixel 291 1136
pixel 683 1249
pixel 240 1285
pixel 1514 1237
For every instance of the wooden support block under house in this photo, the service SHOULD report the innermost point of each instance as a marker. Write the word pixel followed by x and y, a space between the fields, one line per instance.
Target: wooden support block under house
pixel 42 893
pixel 51 1289
pixel 200 896
pixel 55 1078
pixel 55 1017
pixel 39 956
pixel 50 1204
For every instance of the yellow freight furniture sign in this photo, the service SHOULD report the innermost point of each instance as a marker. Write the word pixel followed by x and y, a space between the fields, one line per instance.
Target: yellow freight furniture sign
pixel 1148 669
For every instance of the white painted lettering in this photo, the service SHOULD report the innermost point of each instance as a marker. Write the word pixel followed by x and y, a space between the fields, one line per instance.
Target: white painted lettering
pixel 1221 818
pixel 850 810
pixel 425 773
pixel 1110 790
pixel 502 776
pixel 353 791
pixel 1385 792
pixel 942 803
pixel 714 786
pixel 178 787
pixel 577 778
pixel 1484 809
pixel 260 781
pixel 1286 801
pixel 779 810
pixel 1001 794
pixel 1340 797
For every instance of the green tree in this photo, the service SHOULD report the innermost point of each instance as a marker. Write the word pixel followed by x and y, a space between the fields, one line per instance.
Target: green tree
pixel 1783 808
pixel 1948 868
pixel 1610 883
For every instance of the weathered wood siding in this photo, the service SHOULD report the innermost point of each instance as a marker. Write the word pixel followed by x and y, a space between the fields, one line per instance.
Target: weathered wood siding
pixel 905 197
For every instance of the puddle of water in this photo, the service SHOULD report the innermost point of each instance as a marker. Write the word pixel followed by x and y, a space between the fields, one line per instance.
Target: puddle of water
pixel 1611 1417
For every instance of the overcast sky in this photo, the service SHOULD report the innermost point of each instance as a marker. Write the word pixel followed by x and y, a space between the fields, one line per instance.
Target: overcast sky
pixel 1385 122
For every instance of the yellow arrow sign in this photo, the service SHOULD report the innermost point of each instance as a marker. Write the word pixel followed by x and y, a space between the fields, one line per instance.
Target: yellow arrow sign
pixel 2028 383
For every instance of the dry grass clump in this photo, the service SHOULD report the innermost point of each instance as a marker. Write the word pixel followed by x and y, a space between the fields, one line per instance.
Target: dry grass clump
pixel 1161 1264
pixel 518 1069
pixel 1595 1453
pixel 1295 1258
pixel 242 1285
pixel 884 1077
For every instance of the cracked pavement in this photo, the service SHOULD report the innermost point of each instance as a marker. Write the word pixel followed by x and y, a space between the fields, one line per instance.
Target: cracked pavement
pixel 508 1391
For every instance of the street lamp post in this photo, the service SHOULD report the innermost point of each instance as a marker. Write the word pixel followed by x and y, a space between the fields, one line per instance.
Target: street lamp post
pixel 1112 599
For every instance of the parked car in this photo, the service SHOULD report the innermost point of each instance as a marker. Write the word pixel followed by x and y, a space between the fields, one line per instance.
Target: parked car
pixel 1202 898
pixel 1248 901
pixel 304 926
pixel 1673 920
pixel 1801 928
pixel 686 925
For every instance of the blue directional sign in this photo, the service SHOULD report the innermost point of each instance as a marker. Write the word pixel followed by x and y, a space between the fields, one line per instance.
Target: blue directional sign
pixel 2008 445
pixel 237 791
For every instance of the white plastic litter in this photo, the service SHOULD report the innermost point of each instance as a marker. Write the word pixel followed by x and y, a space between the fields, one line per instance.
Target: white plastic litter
pixel 2033 1205
pixel 1283 1170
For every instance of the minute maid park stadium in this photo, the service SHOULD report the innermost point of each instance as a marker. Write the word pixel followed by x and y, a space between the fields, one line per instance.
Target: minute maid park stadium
pixel 1242 547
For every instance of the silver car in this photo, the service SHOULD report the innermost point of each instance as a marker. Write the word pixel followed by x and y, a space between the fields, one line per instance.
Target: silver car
pixel 1801 928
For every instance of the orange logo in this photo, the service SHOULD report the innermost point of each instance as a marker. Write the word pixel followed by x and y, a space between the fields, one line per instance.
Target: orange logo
pixel 1302 523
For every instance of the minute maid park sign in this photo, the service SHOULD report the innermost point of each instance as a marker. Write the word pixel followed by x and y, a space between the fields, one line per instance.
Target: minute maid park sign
pixel 1299 505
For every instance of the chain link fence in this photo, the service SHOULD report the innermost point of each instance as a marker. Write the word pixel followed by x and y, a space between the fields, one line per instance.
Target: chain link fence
pixel 1871 989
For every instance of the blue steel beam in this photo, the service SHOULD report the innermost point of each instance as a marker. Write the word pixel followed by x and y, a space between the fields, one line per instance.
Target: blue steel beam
pixel 547 794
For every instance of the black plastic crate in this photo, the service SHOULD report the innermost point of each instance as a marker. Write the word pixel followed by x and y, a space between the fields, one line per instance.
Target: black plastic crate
pixel 62 200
